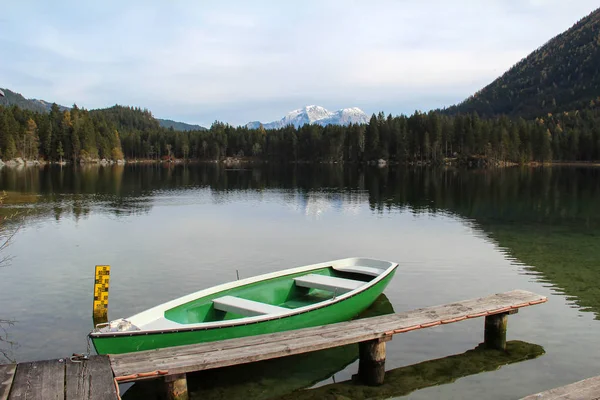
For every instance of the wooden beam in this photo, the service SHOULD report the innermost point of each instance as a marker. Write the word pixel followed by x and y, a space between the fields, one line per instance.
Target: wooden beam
pixel 7 374
pixel 39 380
pixel 176 387
pixel 495 331
pixel 90 380
pixel 197 357
pixel 587 389
pixel 371 365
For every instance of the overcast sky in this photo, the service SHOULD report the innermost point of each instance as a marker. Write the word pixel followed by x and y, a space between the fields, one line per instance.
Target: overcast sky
pixel 237 61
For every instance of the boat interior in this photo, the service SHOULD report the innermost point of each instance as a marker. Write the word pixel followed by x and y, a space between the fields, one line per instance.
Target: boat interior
pixel 274 296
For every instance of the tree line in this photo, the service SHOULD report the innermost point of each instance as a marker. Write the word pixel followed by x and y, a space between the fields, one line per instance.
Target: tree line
pixel 132 133
pixel 73 135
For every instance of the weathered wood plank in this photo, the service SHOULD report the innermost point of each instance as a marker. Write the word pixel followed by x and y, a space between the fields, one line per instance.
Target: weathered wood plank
pixel 198 357
pixel 7 373
pixel 90 380
pixel 39 380
pixel 180 364
pixel 587 389
pixel 387 322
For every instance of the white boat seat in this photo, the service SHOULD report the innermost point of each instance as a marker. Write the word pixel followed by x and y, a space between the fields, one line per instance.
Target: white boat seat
pixel 329 283
pixel 372 271
pixel 247 308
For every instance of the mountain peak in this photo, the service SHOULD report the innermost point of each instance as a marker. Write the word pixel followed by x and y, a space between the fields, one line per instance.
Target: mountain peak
pixel 314 114
pixel 353 110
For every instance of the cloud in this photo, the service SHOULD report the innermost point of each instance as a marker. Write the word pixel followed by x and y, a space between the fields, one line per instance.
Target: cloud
pixel 239 61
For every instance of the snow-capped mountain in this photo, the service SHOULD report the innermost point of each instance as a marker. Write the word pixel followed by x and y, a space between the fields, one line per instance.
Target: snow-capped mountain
pixel 316 115
pixel 345 116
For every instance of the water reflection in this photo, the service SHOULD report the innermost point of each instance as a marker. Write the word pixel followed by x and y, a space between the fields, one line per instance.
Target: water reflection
pixel 404 380
pixel 283 378
pixel 505 195
pixel 546 219
pixel 7 343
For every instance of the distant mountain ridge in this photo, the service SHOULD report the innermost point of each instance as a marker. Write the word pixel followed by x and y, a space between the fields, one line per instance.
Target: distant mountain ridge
pixel 13 98
pixel 17 99
pixel 179 126
pixel 316 115
pixel 562 75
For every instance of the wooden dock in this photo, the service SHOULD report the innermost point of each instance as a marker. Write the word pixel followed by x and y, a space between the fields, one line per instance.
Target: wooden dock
pixel 587 389
pixel 58 379
pixel 95 378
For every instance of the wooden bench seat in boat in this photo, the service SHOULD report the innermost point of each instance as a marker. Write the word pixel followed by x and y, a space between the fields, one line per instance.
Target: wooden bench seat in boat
pixel 329 283
pixel 356 269
pixel 247 308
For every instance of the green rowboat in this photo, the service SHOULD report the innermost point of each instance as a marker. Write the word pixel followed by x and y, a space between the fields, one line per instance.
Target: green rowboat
pixel 295 298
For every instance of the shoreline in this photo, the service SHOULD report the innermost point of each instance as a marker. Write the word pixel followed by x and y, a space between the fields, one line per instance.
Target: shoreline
pixel 233 161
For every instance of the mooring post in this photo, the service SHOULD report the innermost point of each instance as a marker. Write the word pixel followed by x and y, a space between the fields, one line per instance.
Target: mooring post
pixel 495 331
pixel 176 387
pixel 371 365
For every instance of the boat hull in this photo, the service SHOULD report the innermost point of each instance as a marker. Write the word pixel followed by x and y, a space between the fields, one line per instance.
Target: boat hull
pixel 339 311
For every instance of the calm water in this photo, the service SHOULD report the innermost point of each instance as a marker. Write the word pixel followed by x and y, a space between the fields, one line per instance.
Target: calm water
pixel 456 234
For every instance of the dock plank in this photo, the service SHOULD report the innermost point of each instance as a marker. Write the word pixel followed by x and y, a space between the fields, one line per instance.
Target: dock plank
pixel 39 380
pixel 387 322
pixel 90 380
pixel 7 374
pixel 587 389
pixel 183 359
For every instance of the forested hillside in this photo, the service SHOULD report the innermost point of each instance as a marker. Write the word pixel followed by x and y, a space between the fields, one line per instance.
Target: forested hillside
pixel 12 98
pixel 562 75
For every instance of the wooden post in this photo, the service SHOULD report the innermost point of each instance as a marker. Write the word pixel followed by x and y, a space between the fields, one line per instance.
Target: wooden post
pixel 371 366
pixel 176 386
pixel 495 331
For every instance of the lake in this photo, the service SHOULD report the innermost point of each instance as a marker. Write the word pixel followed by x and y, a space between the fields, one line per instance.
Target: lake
pixel 171 230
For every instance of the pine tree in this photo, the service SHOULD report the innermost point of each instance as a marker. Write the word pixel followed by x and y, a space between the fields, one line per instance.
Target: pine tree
pixel 372 139
pixel 60 151
pixel 546 146
pixel 31 141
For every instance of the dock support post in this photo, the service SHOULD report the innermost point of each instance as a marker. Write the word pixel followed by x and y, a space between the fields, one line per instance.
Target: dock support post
pixel 176 387
pixel 495 331
pixel 371 365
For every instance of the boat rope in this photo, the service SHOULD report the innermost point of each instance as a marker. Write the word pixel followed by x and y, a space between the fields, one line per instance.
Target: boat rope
pixel 81 357
pixel 158 372
pixel 117 379
pixel 117 389
pixel 78 357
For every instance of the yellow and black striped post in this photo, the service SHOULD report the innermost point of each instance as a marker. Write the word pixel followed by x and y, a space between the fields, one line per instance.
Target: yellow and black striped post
pixel 101 281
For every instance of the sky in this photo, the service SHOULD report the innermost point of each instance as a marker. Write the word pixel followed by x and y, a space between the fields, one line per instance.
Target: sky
pixel 240 61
